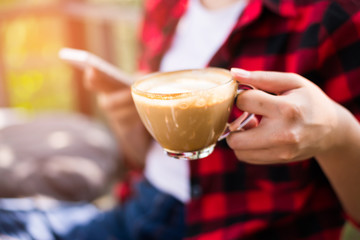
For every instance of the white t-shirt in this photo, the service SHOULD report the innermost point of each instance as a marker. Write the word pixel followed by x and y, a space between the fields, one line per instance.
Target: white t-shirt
pixel 199 35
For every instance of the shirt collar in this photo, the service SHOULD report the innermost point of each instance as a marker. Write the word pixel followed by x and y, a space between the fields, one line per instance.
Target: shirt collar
pixel 284 8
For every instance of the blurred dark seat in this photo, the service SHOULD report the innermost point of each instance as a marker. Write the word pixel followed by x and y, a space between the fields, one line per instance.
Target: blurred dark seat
pixel 63 156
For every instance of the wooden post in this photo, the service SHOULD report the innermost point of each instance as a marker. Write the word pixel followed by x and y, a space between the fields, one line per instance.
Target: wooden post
pixel 76 38
pixel 4 97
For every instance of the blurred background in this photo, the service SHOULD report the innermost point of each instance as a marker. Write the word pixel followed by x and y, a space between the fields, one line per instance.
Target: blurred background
pixel 32 78
pixel 34 82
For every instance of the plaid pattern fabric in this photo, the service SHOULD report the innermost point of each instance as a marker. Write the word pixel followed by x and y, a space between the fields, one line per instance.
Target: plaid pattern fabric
pixel 318 39
pixel 150 215
pixel 42 218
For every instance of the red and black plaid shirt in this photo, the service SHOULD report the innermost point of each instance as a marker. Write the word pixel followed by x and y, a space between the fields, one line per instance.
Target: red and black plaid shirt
pixel 318 39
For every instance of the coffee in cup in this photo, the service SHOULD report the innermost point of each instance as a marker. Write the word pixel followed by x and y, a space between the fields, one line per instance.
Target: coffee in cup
pixel 186 111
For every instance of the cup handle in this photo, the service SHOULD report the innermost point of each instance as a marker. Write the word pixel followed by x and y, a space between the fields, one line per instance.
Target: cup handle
pixel 241 121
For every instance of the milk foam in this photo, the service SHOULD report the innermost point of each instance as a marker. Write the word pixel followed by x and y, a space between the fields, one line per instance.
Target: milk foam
pixel 186 83
pixel 182 85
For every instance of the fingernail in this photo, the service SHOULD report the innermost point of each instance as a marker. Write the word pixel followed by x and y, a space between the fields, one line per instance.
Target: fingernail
pixel 240 72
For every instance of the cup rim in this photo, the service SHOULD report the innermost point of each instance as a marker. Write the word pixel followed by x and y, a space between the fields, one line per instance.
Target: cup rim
pixel 137 91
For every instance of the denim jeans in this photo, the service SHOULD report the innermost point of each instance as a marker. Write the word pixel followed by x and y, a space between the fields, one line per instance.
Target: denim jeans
pixel 149 214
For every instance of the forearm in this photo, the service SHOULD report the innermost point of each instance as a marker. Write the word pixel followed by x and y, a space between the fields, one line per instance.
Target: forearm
pixel 341 164
pixel 134 142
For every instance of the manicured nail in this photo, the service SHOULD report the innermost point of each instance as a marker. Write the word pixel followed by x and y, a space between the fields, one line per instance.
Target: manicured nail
pixel 240 72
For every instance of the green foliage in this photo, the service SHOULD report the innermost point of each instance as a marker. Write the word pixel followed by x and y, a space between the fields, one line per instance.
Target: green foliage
pixel 350 232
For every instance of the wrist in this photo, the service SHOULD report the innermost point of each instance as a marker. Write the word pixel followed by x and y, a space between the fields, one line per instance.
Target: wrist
pixel 345 132
pixel 134 142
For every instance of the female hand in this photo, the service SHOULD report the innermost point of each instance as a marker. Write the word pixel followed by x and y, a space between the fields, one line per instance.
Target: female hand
pixel 114 99
pixel 298 120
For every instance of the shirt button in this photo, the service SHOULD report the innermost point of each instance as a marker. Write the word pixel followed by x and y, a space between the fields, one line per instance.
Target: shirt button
pixel 196 191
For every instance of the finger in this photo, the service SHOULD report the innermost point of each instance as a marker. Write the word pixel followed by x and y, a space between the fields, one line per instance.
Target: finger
pixel 252 139
pixel 119 99
pixel 274 82
pixel 253 122
pixel 257 102
pixel 98 81
pixel 125 115
pixel 259 156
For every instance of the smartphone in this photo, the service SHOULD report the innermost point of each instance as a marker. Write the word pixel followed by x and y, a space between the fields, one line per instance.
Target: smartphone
pixel 82 59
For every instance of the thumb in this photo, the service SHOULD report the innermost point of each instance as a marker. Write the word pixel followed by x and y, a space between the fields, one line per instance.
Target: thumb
pixel 273 82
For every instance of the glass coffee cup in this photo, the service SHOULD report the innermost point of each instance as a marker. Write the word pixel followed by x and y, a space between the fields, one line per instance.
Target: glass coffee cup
pixel 187 111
